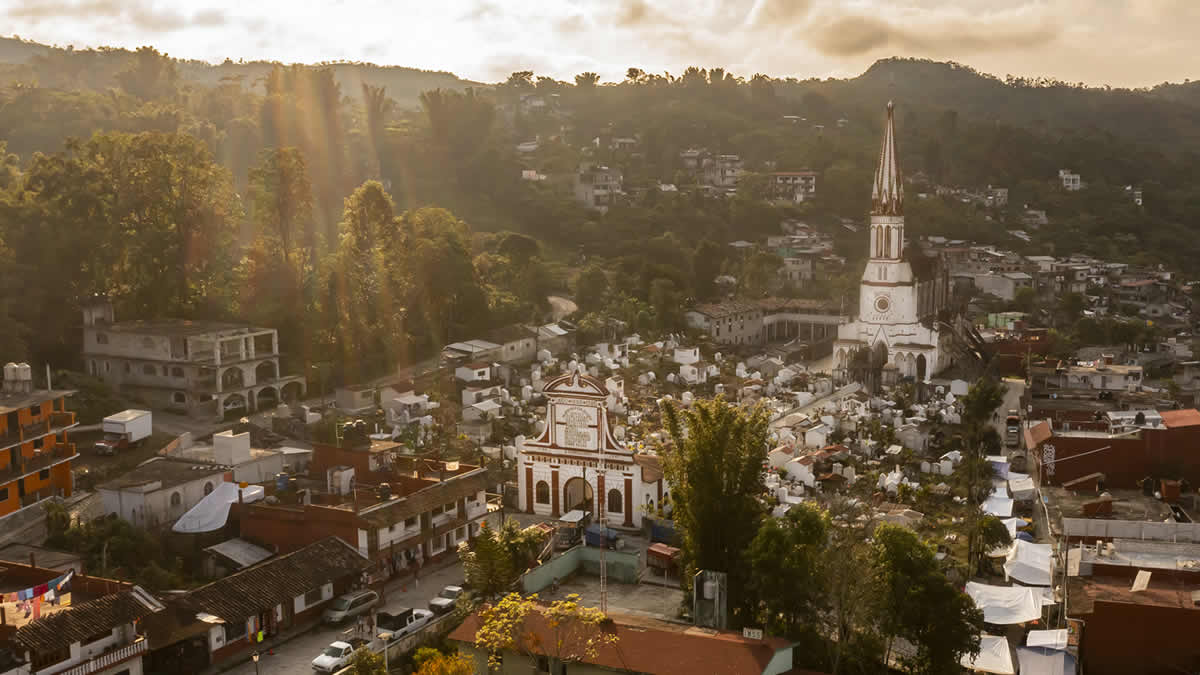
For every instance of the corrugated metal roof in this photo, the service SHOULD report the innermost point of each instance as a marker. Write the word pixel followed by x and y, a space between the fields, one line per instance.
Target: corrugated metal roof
pixel 241 552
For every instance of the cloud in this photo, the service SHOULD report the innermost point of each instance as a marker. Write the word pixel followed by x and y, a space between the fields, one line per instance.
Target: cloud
pixel 137 14
pixel 856 34
pixel 773 13
pixel 482 10
pixel 638 13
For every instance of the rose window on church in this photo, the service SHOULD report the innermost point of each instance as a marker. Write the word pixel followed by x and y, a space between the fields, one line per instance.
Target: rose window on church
pixel 882 304
pixel 577 433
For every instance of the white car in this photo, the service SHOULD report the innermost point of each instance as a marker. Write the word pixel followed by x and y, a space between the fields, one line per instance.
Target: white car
pixel 444 602
pixel 335 657
pixel 420 618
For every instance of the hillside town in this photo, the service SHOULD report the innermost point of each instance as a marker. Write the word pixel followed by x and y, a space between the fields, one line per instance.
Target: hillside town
pixel 365 369
pixel 297 523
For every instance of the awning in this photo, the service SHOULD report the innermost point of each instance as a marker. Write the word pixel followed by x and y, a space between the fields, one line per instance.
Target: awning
pixel 1029 563
pixel 994 656
pixel 1000 507
pixel 1006 605
pixel 1045 661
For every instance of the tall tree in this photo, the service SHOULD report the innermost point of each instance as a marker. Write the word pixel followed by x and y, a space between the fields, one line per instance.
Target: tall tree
pixel 281 194
pixel 714 465
pixel 786 559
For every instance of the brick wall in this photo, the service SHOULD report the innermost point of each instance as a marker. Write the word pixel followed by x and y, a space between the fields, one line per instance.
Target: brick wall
pixel 286 529
pixel 1120 638
pixel 1164 453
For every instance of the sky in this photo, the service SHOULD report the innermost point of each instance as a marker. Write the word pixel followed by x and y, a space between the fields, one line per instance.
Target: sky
pixel 1129 43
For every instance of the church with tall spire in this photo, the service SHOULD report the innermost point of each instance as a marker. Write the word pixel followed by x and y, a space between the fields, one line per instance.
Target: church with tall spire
pixel 896 333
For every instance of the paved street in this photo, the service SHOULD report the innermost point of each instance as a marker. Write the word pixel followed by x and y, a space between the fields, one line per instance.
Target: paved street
pixel 296 655
pixel 1012 401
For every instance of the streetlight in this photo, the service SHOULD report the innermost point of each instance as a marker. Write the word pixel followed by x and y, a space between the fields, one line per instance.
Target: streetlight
pixel 254 656
pixel 386 637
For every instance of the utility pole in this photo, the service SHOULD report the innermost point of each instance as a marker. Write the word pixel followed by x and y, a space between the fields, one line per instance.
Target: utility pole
pixel 600 506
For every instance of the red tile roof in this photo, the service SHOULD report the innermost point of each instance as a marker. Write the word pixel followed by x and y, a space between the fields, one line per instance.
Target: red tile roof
pixel 1173 419
pixel 651 646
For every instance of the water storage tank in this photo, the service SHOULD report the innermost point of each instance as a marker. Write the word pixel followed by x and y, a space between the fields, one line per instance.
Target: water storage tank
pixel 24 372
pixel 10 371
pixel 281 482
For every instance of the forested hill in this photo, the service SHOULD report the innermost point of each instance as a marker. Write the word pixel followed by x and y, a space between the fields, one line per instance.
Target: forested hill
pixel 98 69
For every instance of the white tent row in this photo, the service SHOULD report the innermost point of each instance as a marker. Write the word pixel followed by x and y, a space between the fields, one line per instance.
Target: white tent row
pixel 1045 661
pixel 1055 639
pixel 994 656
pixel 1029 564
pixel 211 512
pixel 1004 605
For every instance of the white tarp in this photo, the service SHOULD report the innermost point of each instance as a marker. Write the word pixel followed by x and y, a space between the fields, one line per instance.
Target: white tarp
pixel 1004 605
pixel 1022 488
pixel 994 656
pixel 211 512
pixel 1000 464
pixel 1000 507
pixel 1029 563
pixel 1045 661
pixel 1002 551
pixel 1055 639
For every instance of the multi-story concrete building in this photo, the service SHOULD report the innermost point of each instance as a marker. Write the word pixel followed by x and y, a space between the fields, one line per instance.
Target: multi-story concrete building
pixel 35 455
pixel 204 368
pixel 723 171
pixel 796 186
pixel 597 187
pixel 1070 180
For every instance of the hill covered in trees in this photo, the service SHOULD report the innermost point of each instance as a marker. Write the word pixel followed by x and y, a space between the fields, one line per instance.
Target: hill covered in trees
pixel 374 214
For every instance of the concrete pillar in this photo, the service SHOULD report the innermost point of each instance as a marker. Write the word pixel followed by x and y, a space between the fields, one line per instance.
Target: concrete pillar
pixel 216 345
pixel 554 496
pixel 250 345
pixel 274 342
pixel 628 502
pixel 528 489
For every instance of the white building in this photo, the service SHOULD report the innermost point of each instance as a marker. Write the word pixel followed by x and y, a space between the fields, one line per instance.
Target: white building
pixel 1070 180
pixel 159 490
pixel 597 187
pixel 896 326
pixel 796 186
pixel 561 470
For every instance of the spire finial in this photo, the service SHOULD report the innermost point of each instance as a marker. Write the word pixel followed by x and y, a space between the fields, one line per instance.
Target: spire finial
pixel 887 194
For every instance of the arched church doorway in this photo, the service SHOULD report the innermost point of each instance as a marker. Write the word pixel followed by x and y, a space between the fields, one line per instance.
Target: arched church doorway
pixel 577 494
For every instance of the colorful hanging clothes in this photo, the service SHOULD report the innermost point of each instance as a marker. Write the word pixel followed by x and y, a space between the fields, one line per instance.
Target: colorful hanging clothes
pixel 37 607
pixel 41 589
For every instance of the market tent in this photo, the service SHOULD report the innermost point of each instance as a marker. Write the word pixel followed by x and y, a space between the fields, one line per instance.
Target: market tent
pixel 1029 563
pixel 1005 605
pixel 998 506
pixel 994 656
pixel 1055 639
pixel 1022 489
pixel 1000 464
pixel 1045 661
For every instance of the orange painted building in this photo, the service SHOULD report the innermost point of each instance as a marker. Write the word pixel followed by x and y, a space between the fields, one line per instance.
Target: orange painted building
pixel 35 453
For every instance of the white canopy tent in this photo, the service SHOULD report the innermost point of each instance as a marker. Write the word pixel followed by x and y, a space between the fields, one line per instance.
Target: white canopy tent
pixel 1055 639
pixel 1001 507
pixel 1021 486
pixel 1005 605
pixel 1029 563
pixel 994 656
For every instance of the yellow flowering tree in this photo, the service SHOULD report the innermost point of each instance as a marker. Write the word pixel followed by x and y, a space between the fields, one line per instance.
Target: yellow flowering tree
pixel 565 631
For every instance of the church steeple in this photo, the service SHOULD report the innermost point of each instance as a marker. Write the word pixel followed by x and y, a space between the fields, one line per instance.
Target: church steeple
pixel 887 194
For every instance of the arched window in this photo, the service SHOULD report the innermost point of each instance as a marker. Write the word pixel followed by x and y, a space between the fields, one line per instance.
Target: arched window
pixel 208 487
pixel 887 241
pixel 614 501
pixel 541 492
pixel 176 499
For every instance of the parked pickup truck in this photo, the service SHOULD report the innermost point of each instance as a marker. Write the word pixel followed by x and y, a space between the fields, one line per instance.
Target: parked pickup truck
pixel 125 429
pixel 403 622
pixel 336 656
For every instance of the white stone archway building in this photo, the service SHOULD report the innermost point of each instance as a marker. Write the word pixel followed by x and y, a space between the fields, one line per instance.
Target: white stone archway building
pixel 562 468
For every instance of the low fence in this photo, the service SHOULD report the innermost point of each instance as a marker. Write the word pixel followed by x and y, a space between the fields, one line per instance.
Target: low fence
pixel 622 567
pixel 435 630
pixel 1084 528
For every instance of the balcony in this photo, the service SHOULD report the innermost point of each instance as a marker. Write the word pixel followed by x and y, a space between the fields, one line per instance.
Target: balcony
pixel 109 659
pixel 54 422
pixel 45 459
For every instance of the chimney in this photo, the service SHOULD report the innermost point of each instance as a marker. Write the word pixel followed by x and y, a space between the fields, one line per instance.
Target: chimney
pixel 231 449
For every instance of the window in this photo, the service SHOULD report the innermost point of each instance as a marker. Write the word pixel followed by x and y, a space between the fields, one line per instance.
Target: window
pixel 614 501
pixel 149 369
pixel 235 630
pixel 179 397
pixel 312 597
pixel 106 368
pixel 542 493
pixel 44 474
pixel 208 487
pixel 543 664
pixel 177 372
pixel 410 522
pixel 35 410
pixel 460 533
pixel 101 338
pixel 176 499
pixel 3 494
pixel 39 443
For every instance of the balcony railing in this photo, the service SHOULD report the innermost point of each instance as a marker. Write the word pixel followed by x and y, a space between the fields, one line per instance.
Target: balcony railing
pixel 109 659
pixel 59 419
pixel 53 421
pixel 44 459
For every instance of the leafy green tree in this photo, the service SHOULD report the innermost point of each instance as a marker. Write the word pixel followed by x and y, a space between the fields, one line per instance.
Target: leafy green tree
pixel 281 194
pixel 591 288
pixel 920 605
pixel 714 465
pixel 706 265
pixel 989 534
pixel 786 559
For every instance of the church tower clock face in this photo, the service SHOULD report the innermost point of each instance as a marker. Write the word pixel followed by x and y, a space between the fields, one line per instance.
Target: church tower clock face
pixel 882 306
